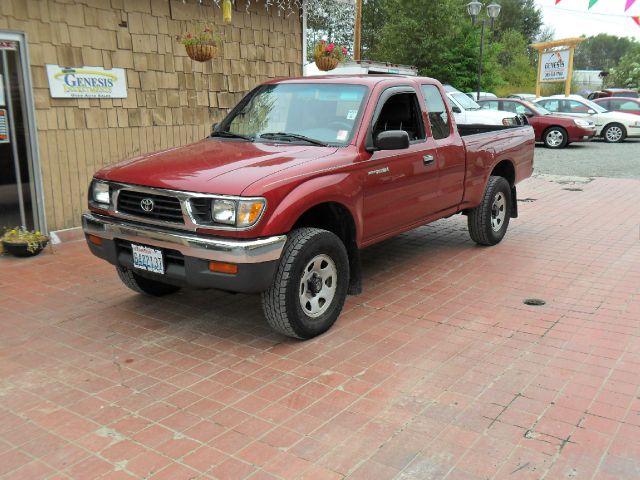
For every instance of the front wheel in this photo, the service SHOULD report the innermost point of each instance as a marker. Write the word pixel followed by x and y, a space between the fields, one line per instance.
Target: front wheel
pixel 310 286
pixel 614 133
pixel 488 222
pixel 555 137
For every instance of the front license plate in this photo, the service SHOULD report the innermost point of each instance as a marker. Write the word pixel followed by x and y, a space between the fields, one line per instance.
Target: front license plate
pixel 147 258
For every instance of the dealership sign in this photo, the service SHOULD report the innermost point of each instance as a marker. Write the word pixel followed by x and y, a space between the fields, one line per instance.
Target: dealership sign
pixel 555 66
pixel 86 82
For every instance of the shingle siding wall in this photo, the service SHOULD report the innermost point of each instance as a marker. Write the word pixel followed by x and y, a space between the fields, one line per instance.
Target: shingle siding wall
pixel 172 100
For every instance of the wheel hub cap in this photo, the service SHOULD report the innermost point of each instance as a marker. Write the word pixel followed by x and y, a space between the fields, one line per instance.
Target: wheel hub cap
pixel 614 134
pixel 555 138
pixel 498 211
pixel 318 285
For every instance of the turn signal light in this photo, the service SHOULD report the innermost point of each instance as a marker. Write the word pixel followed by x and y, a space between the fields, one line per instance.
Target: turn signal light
pixel 95 240
pixel 223 267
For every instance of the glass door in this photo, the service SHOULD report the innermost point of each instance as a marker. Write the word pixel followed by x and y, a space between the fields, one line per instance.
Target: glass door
pixel 19 191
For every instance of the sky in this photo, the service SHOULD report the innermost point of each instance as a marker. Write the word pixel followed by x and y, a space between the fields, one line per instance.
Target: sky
pixel 572 18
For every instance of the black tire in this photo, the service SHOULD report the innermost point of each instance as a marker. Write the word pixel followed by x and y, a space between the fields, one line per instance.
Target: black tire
pixel 480 220
pixel 555 137
pixel 145 285
pixel 614 133
pixel 283 302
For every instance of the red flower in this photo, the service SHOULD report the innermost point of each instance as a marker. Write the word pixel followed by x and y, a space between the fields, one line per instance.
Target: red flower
pixel 330 47
pixel 344 50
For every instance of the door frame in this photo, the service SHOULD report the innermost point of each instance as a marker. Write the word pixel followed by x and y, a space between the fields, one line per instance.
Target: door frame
pixel 33 151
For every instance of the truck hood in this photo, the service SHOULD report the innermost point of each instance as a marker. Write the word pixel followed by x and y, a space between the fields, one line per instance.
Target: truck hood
pixel 211 166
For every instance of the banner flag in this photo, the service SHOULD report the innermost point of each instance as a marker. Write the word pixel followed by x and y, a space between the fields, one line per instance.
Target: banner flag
pixel 592 3
pixel 637 20
pixel 629 3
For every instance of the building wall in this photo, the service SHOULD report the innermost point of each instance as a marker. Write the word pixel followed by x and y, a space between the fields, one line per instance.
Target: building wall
pixel 172 100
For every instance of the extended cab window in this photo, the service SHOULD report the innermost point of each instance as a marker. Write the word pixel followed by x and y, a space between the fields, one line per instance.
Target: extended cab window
pixel 401 111
pixel 492 105
pixel 320 112
pixel 438 117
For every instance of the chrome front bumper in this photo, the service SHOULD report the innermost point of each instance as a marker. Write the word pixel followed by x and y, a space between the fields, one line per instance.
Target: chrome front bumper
pixel 207 248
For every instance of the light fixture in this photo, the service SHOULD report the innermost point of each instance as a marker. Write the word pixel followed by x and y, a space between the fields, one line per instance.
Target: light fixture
pixel 493 10
pixel 474 9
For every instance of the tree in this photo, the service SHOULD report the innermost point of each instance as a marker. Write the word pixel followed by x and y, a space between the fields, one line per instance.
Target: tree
pixel 601 52
pixel 330 19
pixel 514 60
pixel 520 15
pixel 627 73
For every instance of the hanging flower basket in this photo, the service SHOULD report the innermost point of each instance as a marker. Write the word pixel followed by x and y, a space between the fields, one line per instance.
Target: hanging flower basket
pixel 201 46
pixel 327 56
pixel 326 63
pixel 201 53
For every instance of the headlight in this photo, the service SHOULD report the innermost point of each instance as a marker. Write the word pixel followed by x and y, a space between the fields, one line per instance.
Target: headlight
pixel 224 211
pixel 240 213
pixel 582 123
pixel 100 193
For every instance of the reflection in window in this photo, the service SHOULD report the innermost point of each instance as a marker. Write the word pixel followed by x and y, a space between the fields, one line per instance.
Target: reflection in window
pixel 438 117
pixel 323 112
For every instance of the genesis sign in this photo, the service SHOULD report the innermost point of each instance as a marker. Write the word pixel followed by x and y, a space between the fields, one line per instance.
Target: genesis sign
pixel 555 66
pixel 86 82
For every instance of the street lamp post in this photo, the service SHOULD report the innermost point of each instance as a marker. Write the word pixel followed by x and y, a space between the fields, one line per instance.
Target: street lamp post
pixel 493 10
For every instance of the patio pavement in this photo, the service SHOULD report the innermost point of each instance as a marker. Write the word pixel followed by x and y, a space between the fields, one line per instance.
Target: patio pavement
pixel 437 371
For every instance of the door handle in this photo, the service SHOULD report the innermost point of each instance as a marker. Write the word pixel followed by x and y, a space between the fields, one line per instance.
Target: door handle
pixel 427 159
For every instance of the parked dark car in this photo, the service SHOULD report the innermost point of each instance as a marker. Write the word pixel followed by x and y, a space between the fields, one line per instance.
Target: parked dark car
pixel 614 92
pixel 554 131
pixel 620 104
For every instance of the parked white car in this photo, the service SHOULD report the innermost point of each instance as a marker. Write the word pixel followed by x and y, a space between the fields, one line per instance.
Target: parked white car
pixel 474 95
pixel 613 127
pixel 468 112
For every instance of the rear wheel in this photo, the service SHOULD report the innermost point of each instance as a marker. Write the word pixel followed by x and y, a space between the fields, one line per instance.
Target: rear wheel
pixel 488 222
pixel 614 133
pixel 145 285
pixel 555 137
pixel 310 286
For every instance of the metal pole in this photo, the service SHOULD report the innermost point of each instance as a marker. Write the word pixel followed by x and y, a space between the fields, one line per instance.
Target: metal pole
pixel 358 29
pixel 480 61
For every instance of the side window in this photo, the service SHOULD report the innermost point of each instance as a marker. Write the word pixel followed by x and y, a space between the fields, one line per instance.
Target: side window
pixel 401 112
pixel 576 107
pixel 509 107
pixel 551 105
pixel 438 117
pixel 627 105
pixel 489 105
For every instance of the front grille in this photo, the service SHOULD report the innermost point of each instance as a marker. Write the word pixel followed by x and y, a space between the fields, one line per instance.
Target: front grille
pixel 201 210
pixel 171 257
pixel 164 208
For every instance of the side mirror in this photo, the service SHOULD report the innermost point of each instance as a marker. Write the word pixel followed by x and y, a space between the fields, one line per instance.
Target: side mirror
pixel 529 115
pixel 392 140
pixel 591 111
pixel 456 109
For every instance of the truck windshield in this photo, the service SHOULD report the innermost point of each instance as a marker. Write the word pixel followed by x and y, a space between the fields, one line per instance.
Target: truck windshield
pixel 315 114
pixel 465 102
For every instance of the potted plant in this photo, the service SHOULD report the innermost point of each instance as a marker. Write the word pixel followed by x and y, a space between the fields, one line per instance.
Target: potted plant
pixel 21 242
pixel 201 45
pixel 328 55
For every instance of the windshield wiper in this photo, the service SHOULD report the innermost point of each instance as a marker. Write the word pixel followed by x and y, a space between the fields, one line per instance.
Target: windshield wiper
pixel 231 135
pixel 295 136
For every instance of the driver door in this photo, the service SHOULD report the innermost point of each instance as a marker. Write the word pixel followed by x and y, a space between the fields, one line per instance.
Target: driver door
pixel 399 185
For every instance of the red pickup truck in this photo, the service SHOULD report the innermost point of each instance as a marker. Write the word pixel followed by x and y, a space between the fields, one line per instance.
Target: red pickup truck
pixel 301 175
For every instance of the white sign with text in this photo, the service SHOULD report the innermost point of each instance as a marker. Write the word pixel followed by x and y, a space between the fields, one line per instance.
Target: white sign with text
pixel 86 82
pixel 555 66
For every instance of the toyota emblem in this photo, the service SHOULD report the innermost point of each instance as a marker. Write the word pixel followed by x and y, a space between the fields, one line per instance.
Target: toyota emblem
pixel 146 204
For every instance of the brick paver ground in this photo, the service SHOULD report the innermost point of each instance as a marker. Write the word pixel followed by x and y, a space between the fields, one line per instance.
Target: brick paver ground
pixel 437 371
